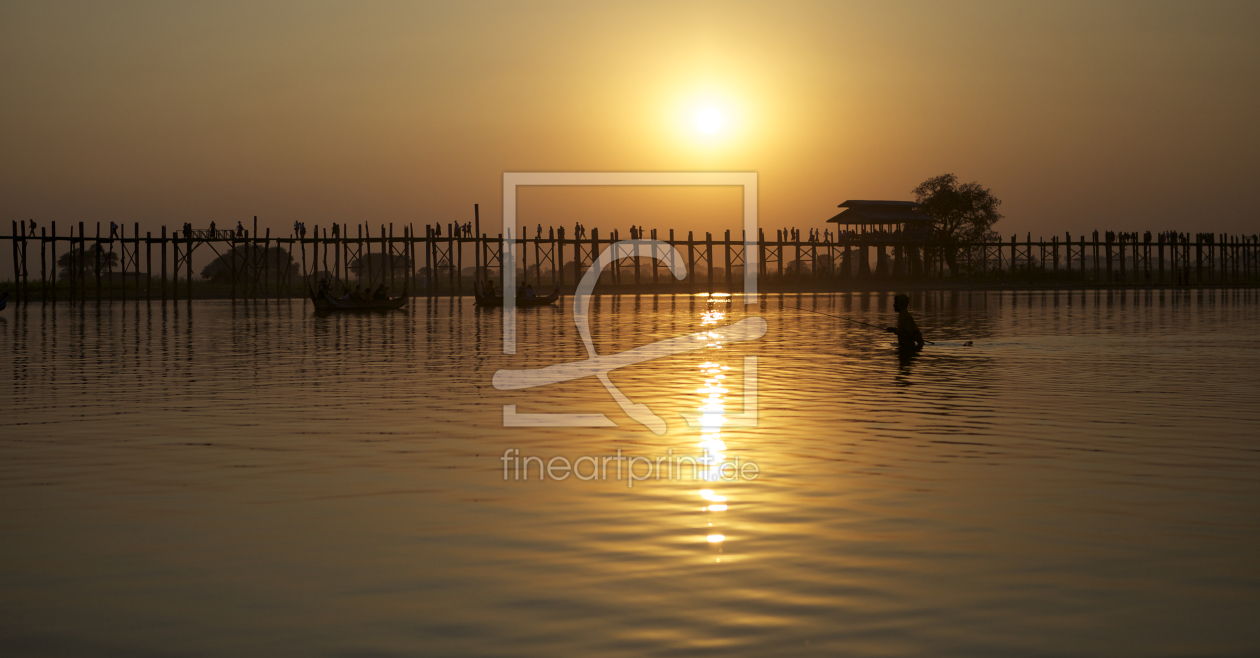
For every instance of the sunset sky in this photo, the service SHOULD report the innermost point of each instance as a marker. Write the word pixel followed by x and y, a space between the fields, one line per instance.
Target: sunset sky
pixel 1124 116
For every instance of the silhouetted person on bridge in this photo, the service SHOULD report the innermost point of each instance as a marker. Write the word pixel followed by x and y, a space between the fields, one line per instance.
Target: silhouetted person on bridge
pixel 908 335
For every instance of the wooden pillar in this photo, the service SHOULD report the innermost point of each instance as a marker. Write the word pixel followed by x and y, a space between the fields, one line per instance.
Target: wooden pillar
pixel 673 282
pixel 43 265
pixel 97 257
pixel 635 259
pixel 691 261
pixel 559 264
pixel 761 252
pixel 1234 246
pixel 729 285
pixel 459 264
pixel 430 272
pixel 478 275
pixel 524 258
pixel 162 258
pixel 53 257
pixel 577 259
pixel 1198 258
pixel 80 276
pixel 232 244
pixel 538 260
pixel 613 238
pixel 1122 257
pixel 188 268
pixel 708 256
pixel 17 266
pixel 411 256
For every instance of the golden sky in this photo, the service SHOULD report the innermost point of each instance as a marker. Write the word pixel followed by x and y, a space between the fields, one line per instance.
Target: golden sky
pixel 1125 116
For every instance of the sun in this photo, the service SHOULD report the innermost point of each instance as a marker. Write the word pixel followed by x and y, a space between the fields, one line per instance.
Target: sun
pixel 709 120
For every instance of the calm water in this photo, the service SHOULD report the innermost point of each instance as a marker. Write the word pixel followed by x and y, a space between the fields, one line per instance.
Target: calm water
pixel 257 480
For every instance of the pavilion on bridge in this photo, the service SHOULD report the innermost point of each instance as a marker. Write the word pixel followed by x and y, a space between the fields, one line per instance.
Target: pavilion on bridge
pixel 877 223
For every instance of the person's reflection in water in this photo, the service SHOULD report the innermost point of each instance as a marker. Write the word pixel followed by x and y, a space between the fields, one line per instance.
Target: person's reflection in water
pixel 905 358
pixel 909 338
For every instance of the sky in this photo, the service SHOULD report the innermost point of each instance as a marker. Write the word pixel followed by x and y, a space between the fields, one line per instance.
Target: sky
pixel 1079 116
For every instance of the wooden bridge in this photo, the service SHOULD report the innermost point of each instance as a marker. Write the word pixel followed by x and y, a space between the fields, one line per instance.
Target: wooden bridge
pixel 431 262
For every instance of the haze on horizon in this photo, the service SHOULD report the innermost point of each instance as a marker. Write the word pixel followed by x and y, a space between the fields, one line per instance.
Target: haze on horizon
pixel 1115 116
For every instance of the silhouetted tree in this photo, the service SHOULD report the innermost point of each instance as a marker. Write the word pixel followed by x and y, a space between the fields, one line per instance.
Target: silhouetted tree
pixel 87 264
pixel 245 262
pixel 375 265
pixel 963 213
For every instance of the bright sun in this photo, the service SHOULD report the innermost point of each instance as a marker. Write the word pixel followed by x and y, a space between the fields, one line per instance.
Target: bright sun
pixel 708 120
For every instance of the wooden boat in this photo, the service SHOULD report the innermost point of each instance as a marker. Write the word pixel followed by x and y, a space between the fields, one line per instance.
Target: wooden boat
pixel 4 300
pixel 484 299
pixel 326 302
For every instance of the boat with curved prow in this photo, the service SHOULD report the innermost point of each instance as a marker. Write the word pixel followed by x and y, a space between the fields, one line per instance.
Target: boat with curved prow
pixel 486 300
pixel 326 302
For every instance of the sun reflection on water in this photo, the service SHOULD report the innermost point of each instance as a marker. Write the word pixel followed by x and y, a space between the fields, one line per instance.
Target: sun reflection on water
pixel 712 416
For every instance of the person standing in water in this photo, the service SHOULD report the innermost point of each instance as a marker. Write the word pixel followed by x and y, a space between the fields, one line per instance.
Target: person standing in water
pixel 908 335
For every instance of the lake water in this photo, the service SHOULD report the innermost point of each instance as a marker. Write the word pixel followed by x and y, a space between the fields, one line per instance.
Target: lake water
pixel 253 479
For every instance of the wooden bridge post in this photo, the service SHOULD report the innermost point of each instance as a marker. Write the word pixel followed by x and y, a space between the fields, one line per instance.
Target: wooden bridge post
pixel 148 266
pixel 188 247
pixel 96 252
pixel 1121 247
pixel 1110 237
pixel 236 271
pixel 523 239
pixel 411 258
pixel 1237 252
pixel 673 282
pixel 430 268
pixel 577 257
pixel 846 262
pixel 43 265
pixel 619 265
pixel 538 260
pixel 761 252
pixel 559 264
pixel 458 244
pixel 708 256
pixel 780 236
pixel 53 250
pixel 1096 275
pixel 478 254
pixel 691 261
pixel 655 263
pixel 1198 258
pixel 1160 250
pixel 162 259
pixel 80 277
pixel 595 248
pixel 19 246
pixel 17 271
pixel 728 260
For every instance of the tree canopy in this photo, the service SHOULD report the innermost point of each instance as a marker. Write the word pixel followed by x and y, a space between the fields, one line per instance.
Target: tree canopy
pixel 92 261
pixel 963 213
pixel 245 262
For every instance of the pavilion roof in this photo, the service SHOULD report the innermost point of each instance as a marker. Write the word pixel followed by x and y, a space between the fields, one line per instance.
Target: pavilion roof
pixel 860 212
